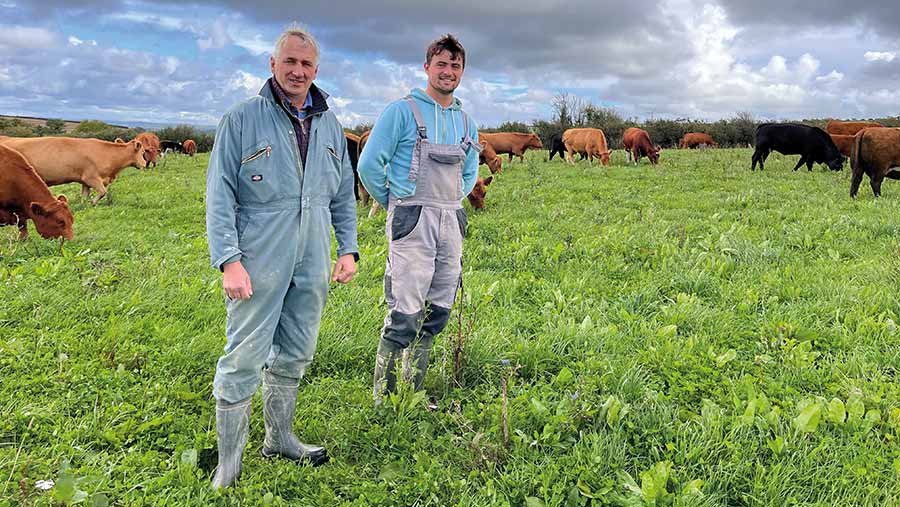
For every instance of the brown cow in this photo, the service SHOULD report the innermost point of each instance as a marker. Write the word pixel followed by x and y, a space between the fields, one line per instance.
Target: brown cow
pixel 697 140
pixel 513 143
pixel 876 152
pixel 848 128
pixel 586 140
pixel 92 162
pixel 151 146
pixel 24 196
pixel 489 157
pixel 479 191
pixel 637 144
pixel 843 143
pixel 364 196
pixel 190 147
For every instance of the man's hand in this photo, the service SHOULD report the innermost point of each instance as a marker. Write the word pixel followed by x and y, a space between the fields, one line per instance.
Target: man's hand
pixel 236 281
pixel 344 269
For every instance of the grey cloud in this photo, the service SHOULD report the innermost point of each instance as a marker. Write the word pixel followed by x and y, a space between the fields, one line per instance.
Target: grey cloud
pixel 881 16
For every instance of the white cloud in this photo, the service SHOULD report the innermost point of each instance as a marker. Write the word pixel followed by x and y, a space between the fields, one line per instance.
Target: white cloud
pixel 25 37
pixel 245 82
pixel 217 36
pixel 880 56
pixel 75 41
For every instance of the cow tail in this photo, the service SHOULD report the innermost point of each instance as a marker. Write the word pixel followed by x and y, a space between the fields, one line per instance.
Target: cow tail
pixel 855 153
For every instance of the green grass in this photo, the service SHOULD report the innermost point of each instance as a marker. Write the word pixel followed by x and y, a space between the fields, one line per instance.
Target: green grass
pixel 677 335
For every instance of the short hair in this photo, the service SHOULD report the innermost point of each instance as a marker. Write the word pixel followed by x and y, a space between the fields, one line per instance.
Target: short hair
pixel 446 43
pixel 296 30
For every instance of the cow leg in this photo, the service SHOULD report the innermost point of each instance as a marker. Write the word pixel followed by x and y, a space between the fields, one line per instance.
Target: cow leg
pixel 809 164
pixel 97 184
pixel 570 157
pixel 510 157
pixel 23 227
pixel 875 181
pixel 85 191
pixel 800 162
pixel 855 181
pixel 754 159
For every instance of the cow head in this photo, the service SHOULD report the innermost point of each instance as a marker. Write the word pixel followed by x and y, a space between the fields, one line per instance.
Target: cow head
pixel 837 164
pixel 476 197
pixel 495 165
pixel 604 157
pixel 534 142
pixel 139 159
pixel 654 155
pixel 53 219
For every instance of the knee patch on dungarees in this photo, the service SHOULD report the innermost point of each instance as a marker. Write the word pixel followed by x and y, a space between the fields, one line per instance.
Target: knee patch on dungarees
pixel 435 320
pixel 401 328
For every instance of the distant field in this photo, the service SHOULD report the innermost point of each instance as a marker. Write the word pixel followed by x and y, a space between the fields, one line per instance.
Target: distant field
pixel 689 334
pixel 68 127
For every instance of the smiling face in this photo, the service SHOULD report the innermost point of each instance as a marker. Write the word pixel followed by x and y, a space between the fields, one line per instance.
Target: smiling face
pixel 444 72
pixel 295 67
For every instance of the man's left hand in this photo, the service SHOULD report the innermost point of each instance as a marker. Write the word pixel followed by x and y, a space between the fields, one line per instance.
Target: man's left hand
pixel 344 269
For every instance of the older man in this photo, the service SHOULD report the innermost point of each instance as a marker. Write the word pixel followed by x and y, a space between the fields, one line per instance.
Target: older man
pixel 279 176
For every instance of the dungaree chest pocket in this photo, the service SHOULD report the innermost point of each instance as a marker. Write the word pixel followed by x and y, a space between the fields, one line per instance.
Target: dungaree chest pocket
pixel 258 179
pixel 445 158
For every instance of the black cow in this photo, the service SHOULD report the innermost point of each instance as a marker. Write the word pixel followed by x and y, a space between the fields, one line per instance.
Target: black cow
pixel 165 146
pixel 813 145
pixel 353 152
pixel 558 146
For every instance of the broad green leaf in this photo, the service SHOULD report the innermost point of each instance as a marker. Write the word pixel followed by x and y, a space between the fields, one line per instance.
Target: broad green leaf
pixel 856 409
pixel 727 357
pixel 654 481
pixel 777 446
pixel 692 488
pixel 532 501
pixel 391 471
pixel 836 411
pixel 808 420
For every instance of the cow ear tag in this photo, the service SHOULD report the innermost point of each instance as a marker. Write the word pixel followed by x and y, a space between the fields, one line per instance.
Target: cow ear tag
pixel 256 177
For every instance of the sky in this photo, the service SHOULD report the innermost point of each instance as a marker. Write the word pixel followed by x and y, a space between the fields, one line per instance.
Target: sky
pixel 172 61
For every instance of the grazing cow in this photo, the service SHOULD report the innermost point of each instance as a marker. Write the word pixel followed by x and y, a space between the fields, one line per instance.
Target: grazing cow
pixel 24 196
pixel 811 143
pixel 190 147
pixel 513 143
pixel 586 140
pixel 844 143
pixel 167 146
pixel 489 157
pixel 637 144
pixel 697 140
pixel 92 162
pixel 479 191
pixel 848 128
pixel 151 145
pixel 876 152
pixel 361 189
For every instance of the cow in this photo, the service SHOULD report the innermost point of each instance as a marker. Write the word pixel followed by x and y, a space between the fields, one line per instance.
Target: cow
pixel 489 157
pixel 512 143
pixel 811 143
pixel 168 146
pixel 364 196
pixel 848 128
pixel 844 143
pixel 353 153
pixel 587 140
pixel 876 152
pixel 91 162
pixel 697 140
pixel 479 191
pixel 151 145
pixel 24 196
pixel 637 144
pixel 119 140
pixel 190 147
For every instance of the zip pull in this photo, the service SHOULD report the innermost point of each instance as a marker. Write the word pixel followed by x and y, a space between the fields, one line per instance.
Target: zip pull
pixel 268 151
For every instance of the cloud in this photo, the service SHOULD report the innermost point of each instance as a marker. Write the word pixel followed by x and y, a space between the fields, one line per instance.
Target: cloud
pixel 25 37
pixel 879 56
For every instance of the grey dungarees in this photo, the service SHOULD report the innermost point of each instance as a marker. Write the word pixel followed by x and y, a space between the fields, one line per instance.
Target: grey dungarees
pixel 424 264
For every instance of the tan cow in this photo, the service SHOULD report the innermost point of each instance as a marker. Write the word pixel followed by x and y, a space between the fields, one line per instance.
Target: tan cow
pixel 190 147
pixel 513 143
pixel 848 128
pixel 637 144
pixel 91 162
pixel 587 140
pixel 697 140
pixel 490 158
pixel 24 196
pixel 151 145
pixel 876 152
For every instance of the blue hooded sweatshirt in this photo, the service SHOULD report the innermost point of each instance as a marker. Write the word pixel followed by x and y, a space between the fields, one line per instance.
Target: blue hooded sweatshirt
pixel 384 163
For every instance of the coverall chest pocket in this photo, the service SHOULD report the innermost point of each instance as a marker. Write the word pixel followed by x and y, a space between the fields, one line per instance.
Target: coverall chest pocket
pixel 331 167
pixel 258 178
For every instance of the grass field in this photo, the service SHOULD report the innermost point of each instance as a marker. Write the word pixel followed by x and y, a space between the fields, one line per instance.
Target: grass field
pixel 689 334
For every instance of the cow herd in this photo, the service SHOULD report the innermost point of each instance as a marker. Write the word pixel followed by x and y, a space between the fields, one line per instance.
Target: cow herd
pixel 29 166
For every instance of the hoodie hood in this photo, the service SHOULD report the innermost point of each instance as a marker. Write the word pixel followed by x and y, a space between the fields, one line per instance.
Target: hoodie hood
pixel 445 125
pixel 421 95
